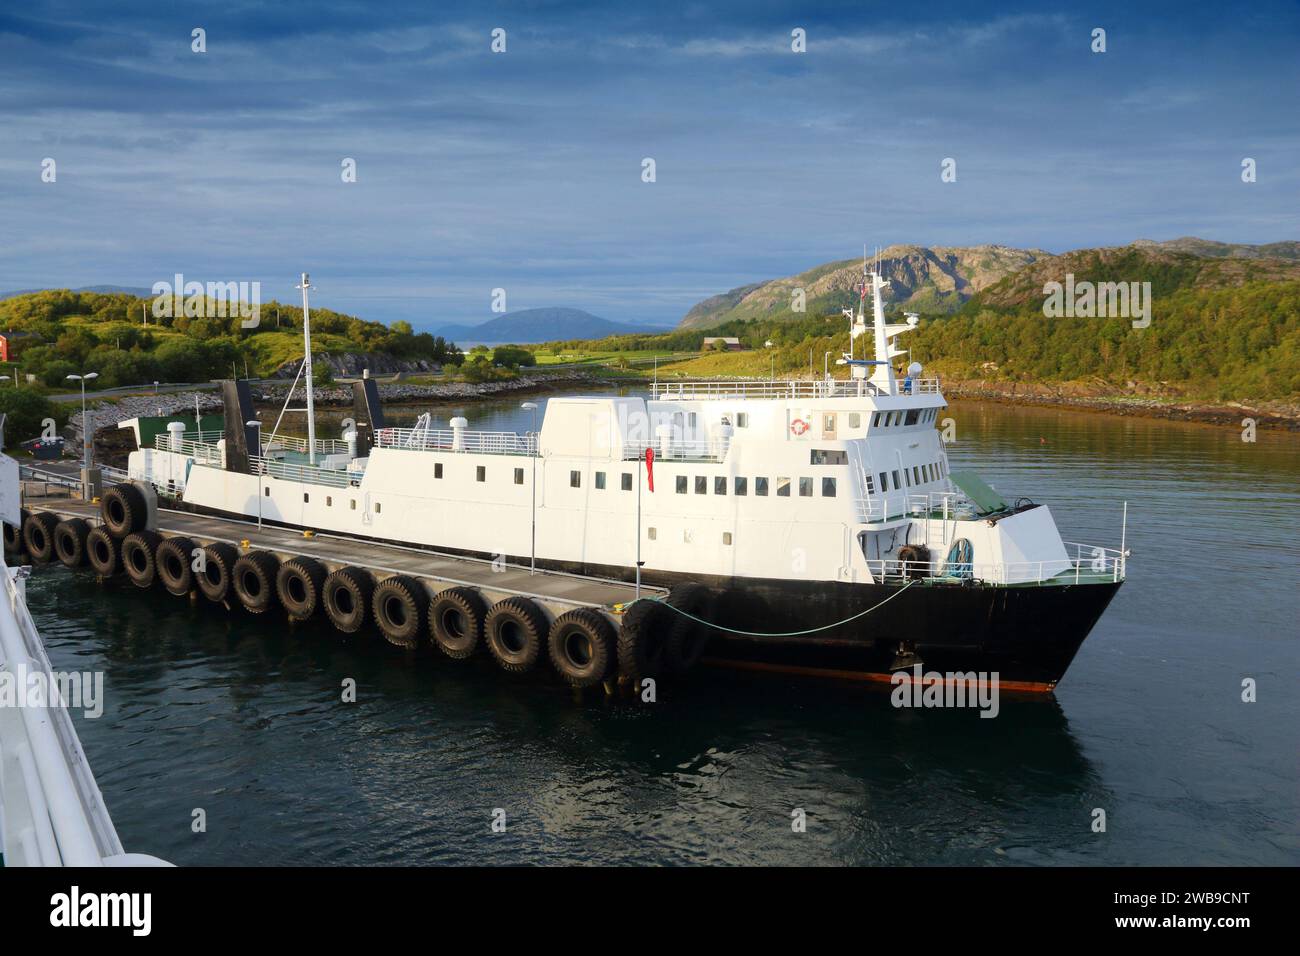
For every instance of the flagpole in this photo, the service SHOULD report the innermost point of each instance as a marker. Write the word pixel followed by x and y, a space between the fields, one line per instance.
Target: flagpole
pixel 638 527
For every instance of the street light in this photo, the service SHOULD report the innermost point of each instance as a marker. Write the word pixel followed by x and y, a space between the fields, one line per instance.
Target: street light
pixel 85 425
pixel 532 561
pixel 258 425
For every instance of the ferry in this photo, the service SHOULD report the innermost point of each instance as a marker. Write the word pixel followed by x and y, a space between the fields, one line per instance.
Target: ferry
pixel 808 527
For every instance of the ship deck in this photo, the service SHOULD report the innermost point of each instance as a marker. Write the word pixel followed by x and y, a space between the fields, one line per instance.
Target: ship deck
pixel 558 590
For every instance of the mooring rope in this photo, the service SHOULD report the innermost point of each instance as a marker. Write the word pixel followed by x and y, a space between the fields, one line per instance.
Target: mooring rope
pixel 732 630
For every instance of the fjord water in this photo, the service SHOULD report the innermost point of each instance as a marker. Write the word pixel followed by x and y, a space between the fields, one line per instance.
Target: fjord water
pixel 241 716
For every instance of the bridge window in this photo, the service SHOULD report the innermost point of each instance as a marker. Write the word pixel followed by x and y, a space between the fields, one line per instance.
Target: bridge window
pixel 783 487
pixel 742 419
pixel 875 420
pixel 884 482
pixel 575 479
pixel 600 481
pixel 828 487
pixel 627 481
pixel 305 497
pixel 805 487
pixel 742 486
pixel 329 501
pixel 267 491
pixel 898 482
pixel 701 485
pixel 819 456
pixel 480 473
pixel 378 507
pixel 437 470
pixel 913 415
pixel 519 476
pixel 681 484
pixel 855 420
pixel 720 486
pixel 760 487
pixel 916 474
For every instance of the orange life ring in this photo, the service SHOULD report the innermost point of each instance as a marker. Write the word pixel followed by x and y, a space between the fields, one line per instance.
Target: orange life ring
pixel 798 426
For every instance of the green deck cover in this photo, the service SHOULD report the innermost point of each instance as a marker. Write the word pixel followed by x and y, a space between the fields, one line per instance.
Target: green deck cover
pixel 986 499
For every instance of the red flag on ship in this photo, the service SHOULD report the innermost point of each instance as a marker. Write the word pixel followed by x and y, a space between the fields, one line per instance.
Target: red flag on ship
pixel 650 467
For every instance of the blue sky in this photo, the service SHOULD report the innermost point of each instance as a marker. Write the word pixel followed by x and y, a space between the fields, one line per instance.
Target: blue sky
pixel 522 170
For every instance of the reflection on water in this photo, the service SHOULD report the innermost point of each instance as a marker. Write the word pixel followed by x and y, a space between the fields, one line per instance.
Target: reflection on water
pixel 242 717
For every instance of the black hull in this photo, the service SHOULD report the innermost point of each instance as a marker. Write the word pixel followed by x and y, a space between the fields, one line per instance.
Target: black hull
pixel 1027 635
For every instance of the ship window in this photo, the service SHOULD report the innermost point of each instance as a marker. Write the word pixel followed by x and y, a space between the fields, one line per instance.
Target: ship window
pixel 681 484
pixel 378 507
pixel 720 486
pixel 519 476
pixel 741 486
pixel 437 470
pixel 600 480
pixel 884 482
pixel 828 487
pixel 805 487
pixel 907 475
pixel 329 501
pixel 575 479
pixel 783 487
pixel 760 487
pixel 306 498
pixel 912 416
pixel 650 533
pixel 627 481
pixel 690 422
pixel 871 485
pixel 726 537
pixel 354 504
pixel 898 482
pixel 701 485
pixel 480 473
pixel 855 420
pixel 875 420
pixel 742 419
pixel 916 474
pixel 828 425
pixel 267 491
pixel 819 456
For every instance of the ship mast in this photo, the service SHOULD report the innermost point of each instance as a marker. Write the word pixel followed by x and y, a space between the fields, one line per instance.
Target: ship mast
pixel 306 367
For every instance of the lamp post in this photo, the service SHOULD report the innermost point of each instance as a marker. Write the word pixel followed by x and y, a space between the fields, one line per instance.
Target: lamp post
pixel 532 560
pixel 85 425
pixel 258 426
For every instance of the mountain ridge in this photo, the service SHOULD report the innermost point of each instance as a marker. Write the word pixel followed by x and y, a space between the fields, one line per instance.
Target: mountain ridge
pixel 530 326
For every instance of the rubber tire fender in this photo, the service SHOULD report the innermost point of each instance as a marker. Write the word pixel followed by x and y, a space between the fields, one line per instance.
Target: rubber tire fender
pixel 456 619
pixel 255 568
pixel 515 631
pixel 14 536
pixel 104 552
pixel 687 639
pixel 70 542
pixel 124 510
pixel 175 570
pixel 216 578
pixel 359 586
pixel 298 585
pixel 399 605
pixel 140 557
pixel 643 639
pixel 38 536
pixel 588 630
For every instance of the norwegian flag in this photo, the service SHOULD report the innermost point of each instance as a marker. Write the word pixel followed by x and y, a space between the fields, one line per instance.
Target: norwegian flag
pixel 650 467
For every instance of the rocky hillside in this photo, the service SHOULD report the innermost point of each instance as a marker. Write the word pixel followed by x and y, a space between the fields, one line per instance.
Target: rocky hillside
pixel 1208 248
pixel 934 280
pixel 1168 267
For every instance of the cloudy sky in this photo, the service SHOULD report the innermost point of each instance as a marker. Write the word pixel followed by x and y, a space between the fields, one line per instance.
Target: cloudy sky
pixel 523 169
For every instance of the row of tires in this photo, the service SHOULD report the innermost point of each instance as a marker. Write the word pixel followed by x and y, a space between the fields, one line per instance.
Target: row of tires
pixel 582 644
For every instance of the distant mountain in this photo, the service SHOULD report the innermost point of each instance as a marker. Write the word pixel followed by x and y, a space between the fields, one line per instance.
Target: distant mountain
pixel 1209 249
pixel 540 325
pixel 139 293
pixel 1167 266
pixel 932 280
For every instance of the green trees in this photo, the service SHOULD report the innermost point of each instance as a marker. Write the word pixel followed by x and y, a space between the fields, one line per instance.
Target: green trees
pixel 25 411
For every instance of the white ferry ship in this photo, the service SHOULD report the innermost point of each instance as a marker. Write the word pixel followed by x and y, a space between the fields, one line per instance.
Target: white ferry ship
pixel 808 526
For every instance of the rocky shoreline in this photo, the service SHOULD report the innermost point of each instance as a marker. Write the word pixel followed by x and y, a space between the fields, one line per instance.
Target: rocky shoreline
pixel 1282 415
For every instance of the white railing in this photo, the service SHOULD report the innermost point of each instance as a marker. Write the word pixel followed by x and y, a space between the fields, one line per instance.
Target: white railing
pixel 679 450
pixel 945 505
pixel 203 452
pixel 1088 565
pixel 457 440
pixel 766 388
pixel 310 474
pixel 324 446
